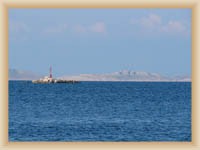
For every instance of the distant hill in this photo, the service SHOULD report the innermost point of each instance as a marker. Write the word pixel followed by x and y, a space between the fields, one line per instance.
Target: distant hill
pixel 15 74
pixel 126 75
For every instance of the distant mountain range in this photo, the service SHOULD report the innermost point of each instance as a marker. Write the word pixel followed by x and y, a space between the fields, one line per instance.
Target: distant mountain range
pixel 125 75
pixel 15 74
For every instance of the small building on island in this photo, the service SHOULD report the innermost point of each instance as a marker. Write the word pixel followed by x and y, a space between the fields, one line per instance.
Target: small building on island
pixel 50 79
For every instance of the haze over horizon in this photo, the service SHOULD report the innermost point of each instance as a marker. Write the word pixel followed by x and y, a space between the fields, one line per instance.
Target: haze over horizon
pixel 124 75
pixel 98 41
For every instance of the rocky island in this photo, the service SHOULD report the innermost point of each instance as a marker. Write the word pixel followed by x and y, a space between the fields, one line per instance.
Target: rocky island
pixel 50 79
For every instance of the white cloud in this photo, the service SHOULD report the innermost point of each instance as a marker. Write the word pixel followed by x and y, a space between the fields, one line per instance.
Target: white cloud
pixel 80 29
pixel 173 27
pixel 56 29
pixel 151 21
pixel 19 31
pixel 154 23
pixel 18 27
pixel 98 27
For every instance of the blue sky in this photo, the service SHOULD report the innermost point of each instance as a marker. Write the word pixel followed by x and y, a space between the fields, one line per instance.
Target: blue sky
pixel 79 41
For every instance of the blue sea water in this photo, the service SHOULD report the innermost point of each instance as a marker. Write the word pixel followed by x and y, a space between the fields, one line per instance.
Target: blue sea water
pixel 100 111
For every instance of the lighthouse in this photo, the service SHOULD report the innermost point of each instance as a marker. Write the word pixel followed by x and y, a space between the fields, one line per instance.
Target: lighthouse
pixel 49 79
pixel 50 72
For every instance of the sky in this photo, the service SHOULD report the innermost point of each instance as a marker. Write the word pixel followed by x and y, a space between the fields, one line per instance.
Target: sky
pixel 97 41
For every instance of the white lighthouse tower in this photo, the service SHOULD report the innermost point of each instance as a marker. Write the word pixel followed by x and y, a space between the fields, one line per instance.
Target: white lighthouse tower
pixel 50 72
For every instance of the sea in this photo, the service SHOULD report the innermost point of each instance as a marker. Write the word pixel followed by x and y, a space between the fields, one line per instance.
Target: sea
pixel 100 111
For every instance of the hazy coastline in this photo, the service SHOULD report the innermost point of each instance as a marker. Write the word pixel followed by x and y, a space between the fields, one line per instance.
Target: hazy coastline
pixel 121 76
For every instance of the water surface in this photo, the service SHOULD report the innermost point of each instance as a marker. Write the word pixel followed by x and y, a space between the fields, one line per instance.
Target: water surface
pixel 100 111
